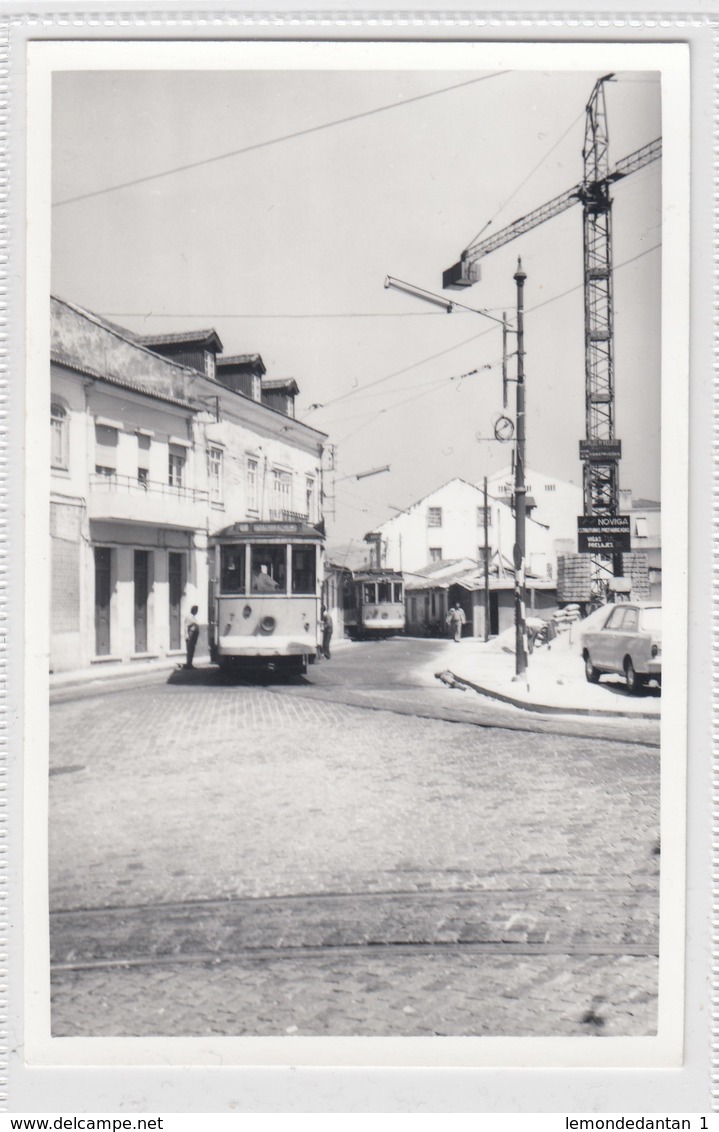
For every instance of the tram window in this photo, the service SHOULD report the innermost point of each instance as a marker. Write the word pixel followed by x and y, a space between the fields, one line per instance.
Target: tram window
pixel 369 594
pixel 398 592
pixel 269 569
pixel 232 569
pixel 385 591
pixel 304 574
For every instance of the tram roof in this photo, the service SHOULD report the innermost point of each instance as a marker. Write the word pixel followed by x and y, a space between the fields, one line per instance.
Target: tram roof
pixel 375 574
pixel 247 530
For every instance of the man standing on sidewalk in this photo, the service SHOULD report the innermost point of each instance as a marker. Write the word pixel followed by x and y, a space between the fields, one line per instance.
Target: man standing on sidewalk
pixel 192 632
pixel 327 627
pixel 455 620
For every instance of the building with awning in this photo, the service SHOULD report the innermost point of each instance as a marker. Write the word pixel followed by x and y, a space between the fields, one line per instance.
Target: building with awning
pixel 431 592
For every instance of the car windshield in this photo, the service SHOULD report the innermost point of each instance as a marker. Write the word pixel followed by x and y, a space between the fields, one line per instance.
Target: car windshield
pixel 652 619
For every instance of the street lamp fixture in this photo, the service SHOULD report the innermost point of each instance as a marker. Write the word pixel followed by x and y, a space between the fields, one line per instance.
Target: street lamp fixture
pixel 449 305
pixel 364 475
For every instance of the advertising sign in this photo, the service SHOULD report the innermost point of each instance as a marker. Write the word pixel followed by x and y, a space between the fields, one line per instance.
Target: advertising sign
pixel 603 534
pixel 597 451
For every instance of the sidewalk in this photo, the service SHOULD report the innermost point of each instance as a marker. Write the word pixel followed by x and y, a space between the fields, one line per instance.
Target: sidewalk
pixel 103 674
pixel 554 682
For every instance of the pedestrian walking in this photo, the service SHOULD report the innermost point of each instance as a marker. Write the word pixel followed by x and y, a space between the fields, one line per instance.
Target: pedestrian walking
pixel 456 619
pixel 327 627
pixel 192 632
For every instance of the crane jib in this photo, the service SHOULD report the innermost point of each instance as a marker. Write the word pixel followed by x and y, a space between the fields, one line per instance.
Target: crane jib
pixel 652 151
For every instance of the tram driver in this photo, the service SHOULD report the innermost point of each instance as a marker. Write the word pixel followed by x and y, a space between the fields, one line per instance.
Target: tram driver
pixel 262 583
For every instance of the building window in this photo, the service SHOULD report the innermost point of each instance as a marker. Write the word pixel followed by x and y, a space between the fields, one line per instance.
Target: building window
pixel 480 516
pixel 550 487
pixel 251 484
pixel 310 497
pixel 143 458
pixel 434 517
pixel 176 466
pixel 214 473
pixel 209 363
pixel 642 527
pixel 435 553
pixel 58 434
pixel 282 490
pixel 482 555
pixel 105 450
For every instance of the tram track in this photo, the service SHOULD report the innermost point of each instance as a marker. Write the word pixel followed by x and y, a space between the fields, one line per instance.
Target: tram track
pixel 572 921
pixel 492 718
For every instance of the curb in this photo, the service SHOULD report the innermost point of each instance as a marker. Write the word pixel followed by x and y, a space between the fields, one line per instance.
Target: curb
pixel 547 709
pixel 96 678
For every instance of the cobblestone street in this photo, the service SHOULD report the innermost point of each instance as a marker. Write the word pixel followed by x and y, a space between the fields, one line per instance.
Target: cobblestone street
pixel 251 860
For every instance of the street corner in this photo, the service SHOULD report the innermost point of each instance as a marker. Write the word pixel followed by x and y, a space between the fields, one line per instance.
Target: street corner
pixel 553 682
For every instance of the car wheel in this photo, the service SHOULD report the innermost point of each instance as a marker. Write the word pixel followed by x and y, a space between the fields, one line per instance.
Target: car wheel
pixel 591 673
pixel 634 681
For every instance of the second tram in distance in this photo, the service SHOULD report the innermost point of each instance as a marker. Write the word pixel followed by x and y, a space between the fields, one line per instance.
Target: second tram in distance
pixel 265 595
pixel 374 604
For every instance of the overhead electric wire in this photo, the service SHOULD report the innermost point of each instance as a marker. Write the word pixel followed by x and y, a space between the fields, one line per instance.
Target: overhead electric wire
pixel 474 337
pixel 271 141
pixel 390 408
pixel 422 385
pixel 340 314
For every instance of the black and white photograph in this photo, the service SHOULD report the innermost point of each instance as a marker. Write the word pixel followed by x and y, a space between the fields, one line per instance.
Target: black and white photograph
pixel 365 586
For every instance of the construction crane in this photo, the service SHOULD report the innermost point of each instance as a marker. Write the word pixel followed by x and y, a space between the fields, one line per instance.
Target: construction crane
pixel 600 451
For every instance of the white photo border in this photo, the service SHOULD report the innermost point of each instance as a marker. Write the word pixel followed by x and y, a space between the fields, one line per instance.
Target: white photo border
pixel 95 1058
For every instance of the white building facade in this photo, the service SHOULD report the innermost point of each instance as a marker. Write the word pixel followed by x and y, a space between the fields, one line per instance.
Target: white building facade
pixel 449 524
pixel 148 457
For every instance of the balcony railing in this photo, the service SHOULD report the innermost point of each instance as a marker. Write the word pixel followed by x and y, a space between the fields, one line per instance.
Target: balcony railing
pixel 288 516
pixel 130 485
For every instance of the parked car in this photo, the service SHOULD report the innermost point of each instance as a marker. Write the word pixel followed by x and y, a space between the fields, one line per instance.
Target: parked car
pixel 629 642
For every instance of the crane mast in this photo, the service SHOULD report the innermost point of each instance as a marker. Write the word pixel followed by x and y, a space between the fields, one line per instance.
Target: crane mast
pixel 600 451
pixel 601 478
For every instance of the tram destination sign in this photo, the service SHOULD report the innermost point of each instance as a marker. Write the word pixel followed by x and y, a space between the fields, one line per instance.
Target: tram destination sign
pixel 598 534
pixel 597 451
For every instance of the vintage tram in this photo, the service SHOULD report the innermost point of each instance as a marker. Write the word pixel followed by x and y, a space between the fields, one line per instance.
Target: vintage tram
pixel 265 595
pixel 374 604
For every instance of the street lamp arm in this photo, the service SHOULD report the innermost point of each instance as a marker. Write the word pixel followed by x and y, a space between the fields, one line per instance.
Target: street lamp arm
pixel 449 305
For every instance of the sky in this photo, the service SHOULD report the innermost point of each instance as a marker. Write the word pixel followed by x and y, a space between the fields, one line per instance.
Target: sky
pixel 271 205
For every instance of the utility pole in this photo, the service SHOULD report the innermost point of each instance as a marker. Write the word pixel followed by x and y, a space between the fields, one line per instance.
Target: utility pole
pixel 486 564
pixel 520 491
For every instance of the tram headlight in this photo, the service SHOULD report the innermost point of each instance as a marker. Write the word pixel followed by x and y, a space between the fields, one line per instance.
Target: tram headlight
pixel 267 624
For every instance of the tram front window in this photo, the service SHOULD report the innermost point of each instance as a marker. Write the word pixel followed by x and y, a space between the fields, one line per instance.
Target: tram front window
pixel 370 591
pixel 304 573
pixel 232 569
pixel 385 591
pixel 398 592
pixel 269 569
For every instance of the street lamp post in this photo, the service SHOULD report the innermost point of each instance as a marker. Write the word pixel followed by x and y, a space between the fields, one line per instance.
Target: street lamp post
pixel 520 489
